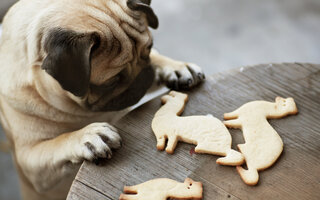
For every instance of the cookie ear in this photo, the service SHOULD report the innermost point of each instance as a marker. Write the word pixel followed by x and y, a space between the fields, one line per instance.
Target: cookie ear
pixel 278 99
pixel 165 99
pixel 144 6
pixel 188 180
pixel 68 58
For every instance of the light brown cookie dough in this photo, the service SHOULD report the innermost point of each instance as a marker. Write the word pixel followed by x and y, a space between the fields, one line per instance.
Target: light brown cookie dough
pixel 207 132
pixel 162 189
pixel 262 145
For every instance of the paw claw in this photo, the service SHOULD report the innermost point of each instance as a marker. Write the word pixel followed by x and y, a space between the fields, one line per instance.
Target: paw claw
pixel 181 76
pixel 201 76
pixel 109 155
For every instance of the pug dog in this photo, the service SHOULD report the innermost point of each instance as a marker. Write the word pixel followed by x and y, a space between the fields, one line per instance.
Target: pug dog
pixel 67 68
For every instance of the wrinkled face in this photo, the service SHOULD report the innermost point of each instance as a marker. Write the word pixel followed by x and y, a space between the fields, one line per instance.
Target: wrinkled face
pixel 100 52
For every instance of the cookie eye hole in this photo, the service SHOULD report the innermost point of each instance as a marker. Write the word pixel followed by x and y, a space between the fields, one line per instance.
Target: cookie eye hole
pixel 188 188
pixel 284 102
pixel 190 184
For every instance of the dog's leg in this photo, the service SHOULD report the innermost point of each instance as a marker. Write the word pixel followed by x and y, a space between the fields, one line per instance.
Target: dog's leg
pixel 231 115
pixel 233 123
pixel 172 143
pixel 58 156
pixel 161 142
pixel 130 189
pixel 128 197
pixel 176 74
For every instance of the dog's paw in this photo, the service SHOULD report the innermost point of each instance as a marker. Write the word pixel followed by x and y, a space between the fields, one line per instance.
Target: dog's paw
pixel 97 141
pixel 180 75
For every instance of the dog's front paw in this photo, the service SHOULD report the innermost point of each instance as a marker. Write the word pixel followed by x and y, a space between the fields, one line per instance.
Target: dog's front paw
pixel 180 75
pixel 96 141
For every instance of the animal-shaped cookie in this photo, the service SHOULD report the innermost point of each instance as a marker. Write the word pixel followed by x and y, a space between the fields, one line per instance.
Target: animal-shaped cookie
pixel 162 189
pixel 262 145
pixel 207 132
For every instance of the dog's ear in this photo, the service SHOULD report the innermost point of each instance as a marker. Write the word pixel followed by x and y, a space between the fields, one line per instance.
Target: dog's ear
pixel 144 6
pixel 68 58
pixel 146 2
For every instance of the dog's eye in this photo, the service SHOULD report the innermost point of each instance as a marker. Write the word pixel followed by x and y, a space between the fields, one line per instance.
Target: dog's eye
pixel 97 40
pixel 109 84
pixel 146 52
pixel 124 75
pixel 113 81
pixel 150 46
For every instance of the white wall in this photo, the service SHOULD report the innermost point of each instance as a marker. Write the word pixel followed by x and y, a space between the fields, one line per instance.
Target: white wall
pixel 222 34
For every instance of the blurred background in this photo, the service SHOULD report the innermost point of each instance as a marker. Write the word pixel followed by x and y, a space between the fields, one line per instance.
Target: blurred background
pixel 218 35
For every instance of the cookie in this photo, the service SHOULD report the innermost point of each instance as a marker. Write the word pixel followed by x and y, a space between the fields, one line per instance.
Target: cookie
pixel 207 132
pixel 262 145
pixel 162 189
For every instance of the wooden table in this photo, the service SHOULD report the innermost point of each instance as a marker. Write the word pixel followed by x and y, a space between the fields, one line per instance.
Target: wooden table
pixel 296 174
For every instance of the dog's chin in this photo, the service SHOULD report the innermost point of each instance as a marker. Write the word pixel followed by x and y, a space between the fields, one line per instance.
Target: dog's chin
pixel 129 97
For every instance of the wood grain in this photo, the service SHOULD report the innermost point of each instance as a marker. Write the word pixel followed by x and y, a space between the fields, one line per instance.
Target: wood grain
pixel 82 191
pixel 296 174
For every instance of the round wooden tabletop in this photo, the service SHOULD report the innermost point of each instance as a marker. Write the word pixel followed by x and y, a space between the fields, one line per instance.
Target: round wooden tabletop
pixel 296 174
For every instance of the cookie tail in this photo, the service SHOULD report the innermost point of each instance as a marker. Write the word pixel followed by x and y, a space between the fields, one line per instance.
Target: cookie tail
pixel 250 176
pixel 128 197
pixel 233 158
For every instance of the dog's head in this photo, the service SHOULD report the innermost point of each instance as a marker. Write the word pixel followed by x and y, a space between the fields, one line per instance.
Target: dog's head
pixel 98 50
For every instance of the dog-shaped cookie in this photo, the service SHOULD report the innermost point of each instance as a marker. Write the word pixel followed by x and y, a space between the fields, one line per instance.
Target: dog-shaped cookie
pixel 207 132
pixel 262 145
pixel 162 189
